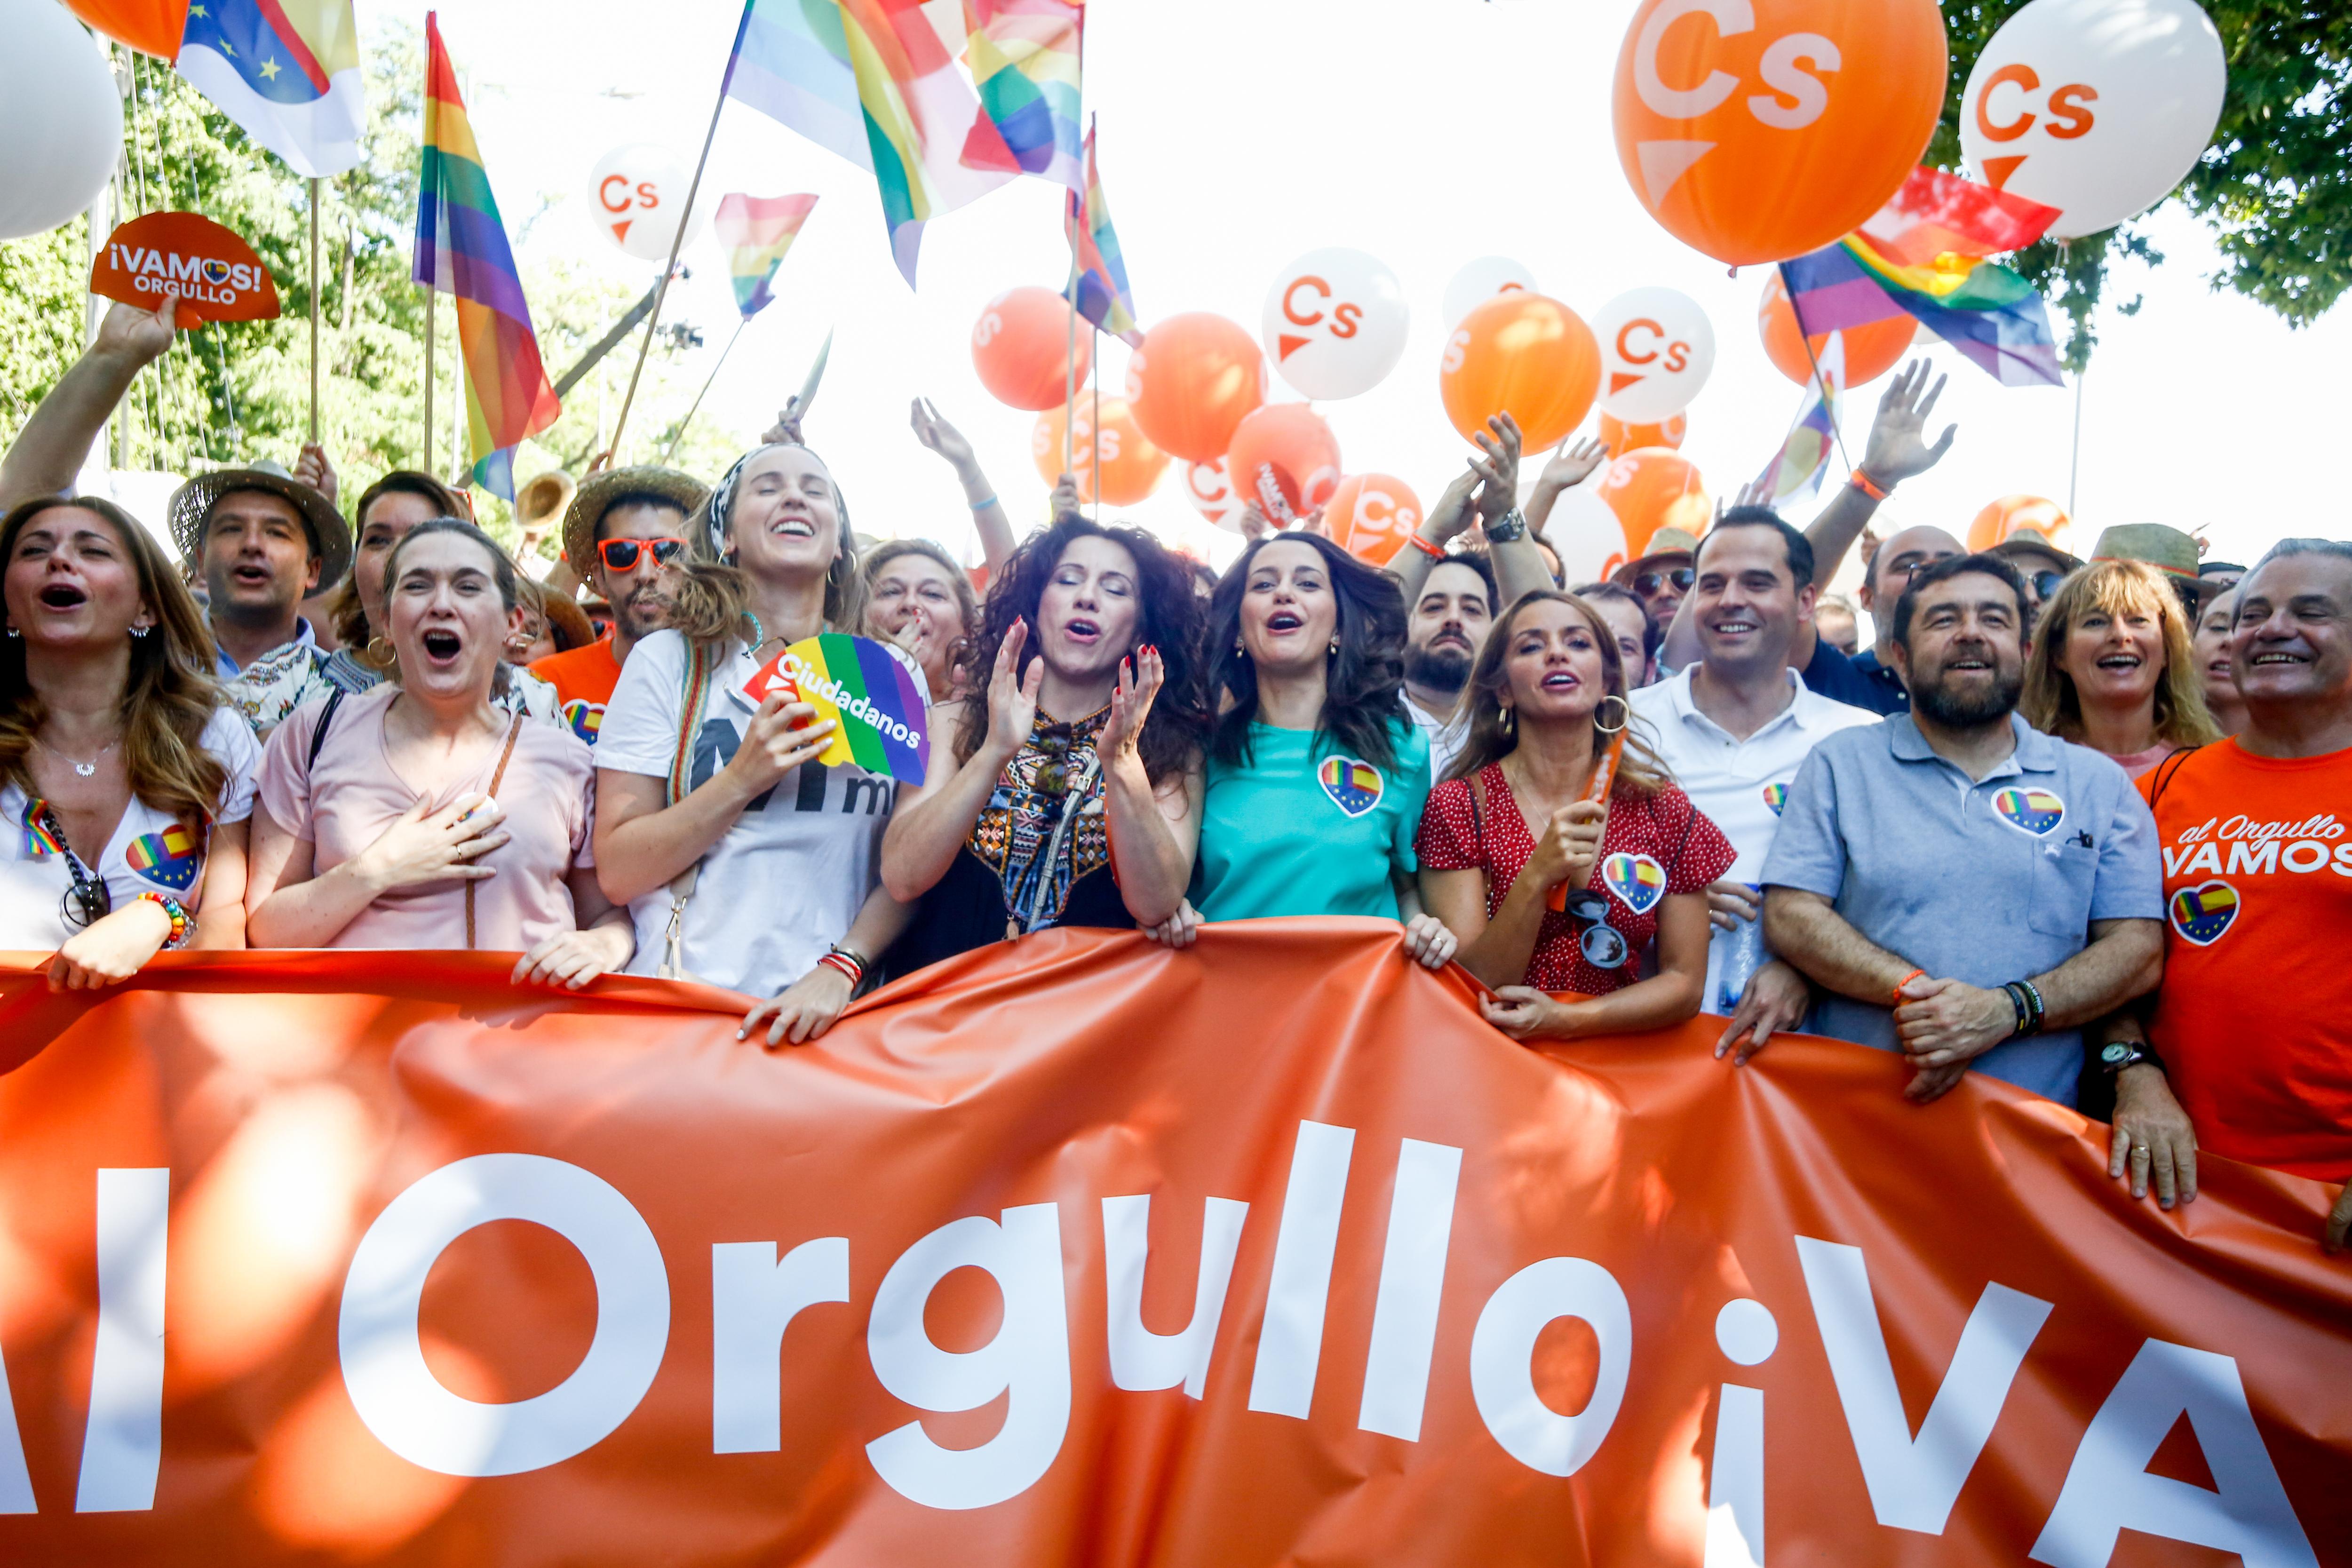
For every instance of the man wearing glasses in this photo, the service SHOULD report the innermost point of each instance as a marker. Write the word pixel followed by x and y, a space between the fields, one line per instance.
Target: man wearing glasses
pixel 624 528
pixel 1662 577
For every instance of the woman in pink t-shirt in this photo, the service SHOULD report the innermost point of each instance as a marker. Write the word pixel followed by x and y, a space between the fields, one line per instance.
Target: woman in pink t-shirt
pixel 419 814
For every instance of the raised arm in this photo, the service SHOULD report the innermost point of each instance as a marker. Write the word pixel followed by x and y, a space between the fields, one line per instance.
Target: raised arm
pixel 1154 828
pixel 1568 468
pixel 56 441
pixel 1520 566
pixel 931 822
pixel 1444 522
pixel 1899 450
pixel 937 434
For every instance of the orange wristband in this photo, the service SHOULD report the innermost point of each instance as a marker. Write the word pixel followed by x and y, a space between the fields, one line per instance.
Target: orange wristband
pixel 1899 997
pixel 1435 553
pixel 1868 486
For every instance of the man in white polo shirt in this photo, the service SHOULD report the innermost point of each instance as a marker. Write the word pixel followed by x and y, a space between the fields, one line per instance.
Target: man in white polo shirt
pixel 1734 727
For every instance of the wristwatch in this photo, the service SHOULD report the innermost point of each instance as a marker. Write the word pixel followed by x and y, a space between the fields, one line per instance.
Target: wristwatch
pixel 1512 525
pixel 2120 1054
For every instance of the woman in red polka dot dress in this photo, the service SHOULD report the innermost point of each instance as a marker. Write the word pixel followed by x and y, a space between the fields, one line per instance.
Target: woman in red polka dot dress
pixel 1512 821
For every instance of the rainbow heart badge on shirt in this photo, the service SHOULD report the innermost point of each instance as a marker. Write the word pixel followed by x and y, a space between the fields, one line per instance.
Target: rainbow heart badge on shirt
pixel 1354 787
pixel 2201 913
pixel 1776 796
pixel 585 717
pixel 2034 811
pixel 170 858
pixel 1638 881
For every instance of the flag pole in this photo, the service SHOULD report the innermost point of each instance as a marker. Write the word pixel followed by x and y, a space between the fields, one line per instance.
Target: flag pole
pixel 679 434
pixel 429 292
pixel 2075 464
pixel 1096 433
pixel 1070 361
pixel 677 235
pixel 314 308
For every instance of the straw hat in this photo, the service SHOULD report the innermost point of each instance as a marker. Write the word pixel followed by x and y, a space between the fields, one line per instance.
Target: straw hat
pixel 1665 544
pixel 192 505
pixel 597 492
pixel 2168 550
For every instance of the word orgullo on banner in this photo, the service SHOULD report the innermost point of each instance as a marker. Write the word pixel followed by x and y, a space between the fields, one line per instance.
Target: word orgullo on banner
pixel 218 276
pixel 882 718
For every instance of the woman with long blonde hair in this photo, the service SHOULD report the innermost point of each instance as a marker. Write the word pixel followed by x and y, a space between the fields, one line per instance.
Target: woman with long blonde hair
pixel 125 782
pixel 1515 819
pixel 2112 667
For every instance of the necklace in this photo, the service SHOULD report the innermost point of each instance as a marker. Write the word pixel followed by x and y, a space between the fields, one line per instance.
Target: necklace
pixel 83 769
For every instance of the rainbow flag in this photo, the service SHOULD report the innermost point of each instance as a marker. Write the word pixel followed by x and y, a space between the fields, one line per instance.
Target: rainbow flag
pixel 757 231
pixel 1796 469
pixel 1924 254
pixel 881 717
pixel 461 249
pixel 286 70
pixel 1100 290
pixel 875 81
pixel 1025 59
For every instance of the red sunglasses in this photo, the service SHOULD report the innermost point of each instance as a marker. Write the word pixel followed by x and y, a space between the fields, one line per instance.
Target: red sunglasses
pixel 621 555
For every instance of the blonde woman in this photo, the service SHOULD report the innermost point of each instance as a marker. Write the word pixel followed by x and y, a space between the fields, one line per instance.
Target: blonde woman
pixel 2112 667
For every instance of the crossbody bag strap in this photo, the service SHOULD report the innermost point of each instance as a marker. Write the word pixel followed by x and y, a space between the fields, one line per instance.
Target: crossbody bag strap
pixel 497 776
pixel 693 703
pixel 319 734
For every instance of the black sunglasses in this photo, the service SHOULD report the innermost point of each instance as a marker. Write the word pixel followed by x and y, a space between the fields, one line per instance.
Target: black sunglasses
pixel 1602 944
pixel 621 555
pixel 2045 583
pixel 87 902
pixel 1648 582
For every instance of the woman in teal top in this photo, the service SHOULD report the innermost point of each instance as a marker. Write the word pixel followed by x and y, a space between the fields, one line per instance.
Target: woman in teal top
pixel 1316 775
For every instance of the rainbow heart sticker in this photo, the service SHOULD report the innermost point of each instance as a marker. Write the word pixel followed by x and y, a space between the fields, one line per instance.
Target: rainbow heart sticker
pixel 1354 787
pixel 1776 796
pixel 856 683
pixel 170 858
pixel 2034 811
pixel 1638 881
pixel 2201 913
pixel 585 718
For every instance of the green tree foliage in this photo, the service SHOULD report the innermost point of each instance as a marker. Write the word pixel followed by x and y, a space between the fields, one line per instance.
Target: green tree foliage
pixel 2275 185
pixel 238 391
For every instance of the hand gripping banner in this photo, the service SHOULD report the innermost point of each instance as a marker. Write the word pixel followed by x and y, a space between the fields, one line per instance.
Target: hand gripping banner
pixel 1078 1251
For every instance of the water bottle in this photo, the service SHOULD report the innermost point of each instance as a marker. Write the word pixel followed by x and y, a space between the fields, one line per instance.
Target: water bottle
pixel 1743 956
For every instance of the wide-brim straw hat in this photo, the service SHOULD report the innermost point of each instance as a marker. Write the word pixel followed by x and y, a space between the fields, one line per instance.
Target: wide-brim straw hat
pixel 1664 545
pixel 597 492
pixel 193 502
pixel 2168 550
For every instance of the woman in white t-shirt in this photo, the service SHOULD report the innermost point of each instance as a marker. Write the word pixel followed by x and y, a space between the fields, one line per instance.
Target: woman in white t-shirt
pixel 124 783
pixel 744 861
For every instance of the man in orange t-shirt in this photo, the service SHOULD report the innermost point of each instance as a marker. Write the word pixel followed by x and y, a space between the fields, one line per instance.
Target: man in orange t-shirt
pixel 2253 1022
pixel 624 528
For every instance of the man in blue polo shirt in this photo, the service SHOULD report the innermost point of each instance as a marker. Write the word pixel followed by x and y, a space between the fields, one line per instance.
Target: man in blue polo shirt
pixel 1966 890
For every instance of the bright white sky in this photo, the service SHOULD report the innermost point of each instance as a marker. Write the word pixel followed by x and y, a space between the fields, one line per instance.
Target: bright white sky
pixel 1236 134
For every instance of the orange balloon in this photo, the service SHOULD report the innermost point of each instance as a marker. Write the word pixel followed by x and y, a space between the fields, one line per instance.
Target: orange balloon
pixel 2018 514
pixel 1758 131
pixel 1370 516
pixel 1285 459
pixel 1871 349
pixel 1192 382
pixel 1021 347
pixel 1621 437
pixel 1130 465
pixel 151 27
pixel 1525 354
pixel 1653 487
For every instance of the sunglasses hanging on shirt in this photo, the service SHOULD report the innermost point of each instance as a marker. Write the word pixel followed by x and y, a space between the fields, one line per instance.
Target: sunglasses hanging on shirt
pixel 1602 944
pixel 88 901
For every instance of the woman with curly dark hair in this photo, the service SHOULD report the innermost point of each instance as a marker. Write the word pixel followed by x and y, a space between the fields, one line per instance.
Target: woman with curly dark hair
pixel 1072 792
pixel 1316 774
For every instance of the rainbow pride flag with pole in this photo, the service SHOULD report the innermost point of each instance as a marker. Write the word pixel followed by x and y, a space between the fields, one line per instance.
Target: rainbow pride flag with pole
pixel 462 250
pixel 1924 254
pixel 1100 291
pixel 877 82
pixel 1024 56
pixel 757 231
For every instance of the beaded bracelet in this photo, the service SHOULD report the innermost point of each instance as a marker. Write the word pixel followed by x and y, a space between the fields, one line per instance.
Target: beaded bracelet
pixel 1899 998
pixel 183 925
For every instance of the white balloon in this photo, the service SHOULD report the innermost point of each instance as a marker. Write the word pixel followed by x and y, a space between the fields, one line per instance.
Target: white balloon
pixel 1586 532
pixel 633 196
pixel 2097 107
pixel 60 118
pixel 1211 490
pixel 1480 281
pixel 1335 322
pixel 1657 349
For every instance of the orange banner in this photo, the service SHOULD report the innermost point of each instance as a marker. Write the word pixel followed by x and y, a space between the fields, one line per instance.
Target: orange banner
pixel 1078 1251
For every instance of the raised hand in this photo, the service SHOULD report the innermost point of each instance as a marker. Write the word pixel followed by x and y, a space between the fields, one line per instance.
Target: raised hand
pixel 1572 464
pixel 312 469
pixel 1254 525
pixel 1140 680
pixel 1011 696
pixel 1570 844
pixel 1498 466
pixel 1065 500
pixel 779 738
pixel 1898 448
pixel 1449 516
pixel 435 848
pixel 1755 493
pixel 938 435
pixel 137 335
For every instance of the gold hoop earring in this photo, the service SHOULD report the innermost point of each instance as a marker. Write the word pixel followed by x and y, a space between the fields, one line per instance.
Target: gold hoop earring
pixel 1510 721
pixel 379 651
pixel 1624 714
